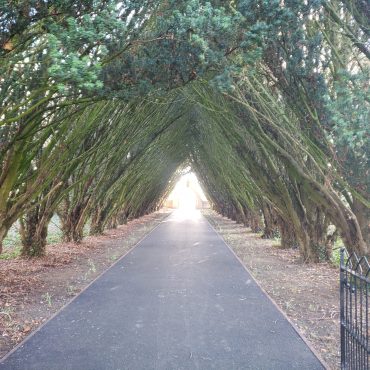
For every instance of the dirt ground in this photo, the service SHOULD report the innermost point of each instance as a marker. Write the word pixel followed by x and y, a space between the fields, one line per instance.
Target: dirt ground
pixel 307 293
pixel 31 291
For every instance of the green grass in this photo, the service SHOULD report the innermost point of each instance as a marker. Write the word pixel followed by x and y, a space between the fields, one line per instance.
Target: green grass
pixel 335 258
pixel 55 234
pixel 12 240
pixel 11 244
pixel 47 297
pixel 13 252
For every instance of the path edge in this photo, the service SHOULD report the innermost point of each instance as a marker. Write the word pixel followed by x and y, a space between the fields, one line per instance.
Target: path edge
pixel 297 330
pixel 20 344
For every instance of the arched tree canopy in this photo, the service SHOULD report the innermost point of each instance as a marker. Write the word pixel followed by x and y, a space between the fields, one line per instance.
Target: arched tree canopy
pixel 103 103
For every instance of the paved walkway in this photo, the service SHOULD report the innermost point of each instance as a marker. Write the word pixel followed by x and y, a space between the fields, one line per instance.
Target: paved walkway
pixel 179 300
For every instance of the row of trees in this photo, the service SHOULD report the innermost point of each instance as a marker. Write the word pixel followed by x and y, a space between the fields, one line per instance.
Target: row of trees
pixel 102 103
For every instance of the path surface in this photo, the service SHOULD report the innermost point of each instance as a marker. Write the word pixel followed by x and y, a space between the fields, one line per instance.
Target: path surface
pixel 179 300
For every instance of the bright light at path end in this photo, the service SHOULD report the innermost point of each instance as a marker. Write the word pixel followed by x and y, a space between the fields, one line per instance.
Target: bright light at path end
pixel 187 196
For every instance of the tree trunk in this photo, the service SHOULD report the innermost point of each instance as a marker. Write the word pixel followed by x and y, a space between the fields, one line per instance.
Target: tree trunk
pixel 97 222
pixel 66 227
pixel 287 235
pixel 35 245
pixel 247 219
pixel 3 231
pixel 71 231
pixel 317 232
pixel 255 222
pixel 122 218
pixel 97 227
pixel 362 214
pixel 331 237
pixel 77 232
pixel 72 223
pixel 271 229
pixel 112 223
pixel 34 231
pixel 240 218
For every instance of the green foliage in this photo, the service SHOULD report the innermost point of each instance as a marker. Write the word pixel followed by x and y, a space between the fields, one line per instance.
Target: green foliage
pixel 102 103
pixel 350 114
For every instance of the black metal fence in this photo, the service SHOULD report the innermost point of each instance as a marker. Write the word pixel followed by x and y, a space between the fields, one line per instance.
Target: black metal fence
pixel 354 311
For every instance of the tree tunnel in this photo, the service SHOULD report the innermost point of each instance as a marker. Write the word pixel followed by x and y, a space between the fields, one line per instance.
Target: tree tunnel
pixel 124 159
pixel 103 104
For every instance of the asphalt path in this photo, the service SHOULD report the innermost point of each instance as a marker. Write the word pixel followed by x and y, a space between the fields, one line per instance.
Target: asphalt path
pixel 179 300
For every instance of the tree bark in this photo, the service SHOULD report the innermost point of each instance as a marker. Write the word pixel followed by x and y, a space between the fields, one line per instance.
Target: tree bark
pixel 72 221
pixel 270 222
pixel 112 223
pixel 255 222
pixel 3 232
pixel 287 235
pixel 362 214
pixel 98 222
pixel 122 218
pixel 34 231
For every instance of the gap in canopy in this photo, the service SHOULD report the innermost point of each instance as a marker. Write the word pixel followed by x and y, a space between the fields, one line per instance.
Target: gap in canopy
pixel 187 195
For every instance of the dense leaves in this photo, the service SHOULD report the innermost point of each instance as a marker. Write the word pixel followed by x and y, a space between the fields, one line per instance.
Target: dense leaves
pixel 102 103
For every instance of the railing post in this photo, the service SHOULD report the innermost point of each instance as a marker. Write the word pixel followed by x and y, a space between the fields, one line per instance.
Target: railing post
pixel 342 319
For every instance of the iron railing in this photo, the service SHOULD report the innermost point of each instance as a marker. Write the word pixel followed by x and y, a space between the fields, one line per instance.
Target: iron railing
pixel 354 311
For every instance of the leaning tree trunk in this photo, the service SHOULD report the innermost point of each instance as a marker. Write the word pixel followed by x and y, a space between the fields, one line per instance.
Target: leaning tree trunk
pixel 72 228
pixel 34 230
pixel 73 220
pixel 98 222
pixel 247 219
pixel 240 219
pixel 288 236
pixel 317 232
pixel 255 222
pixel 112 223
pixel 231 213
pixel 331 237
pixel 3 232
pixel 311 232
pixel 65 225
pixel 122 218
pixel 270 221
pixel 308 248
pixel 362 213
pixel 324 195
